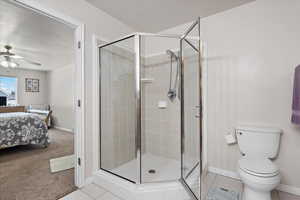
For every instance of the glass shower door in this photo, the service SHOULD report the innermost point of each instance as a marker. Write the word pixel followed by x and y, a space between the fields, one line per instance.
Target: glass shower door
pixel 118 132
pixel 191 123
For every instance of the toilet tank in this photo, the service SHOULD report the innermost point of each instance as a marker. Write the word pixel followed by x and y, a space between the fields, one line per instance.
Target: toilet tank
pixel 258 141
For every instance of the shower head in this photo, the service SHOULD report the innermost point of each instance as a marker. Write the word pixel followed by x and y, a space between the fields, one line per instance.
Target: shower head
pixel 172 54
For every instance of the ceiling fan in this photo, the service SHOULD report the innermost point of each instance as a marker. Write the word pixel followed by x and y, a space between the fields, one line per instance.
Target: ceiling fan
pixel 10 58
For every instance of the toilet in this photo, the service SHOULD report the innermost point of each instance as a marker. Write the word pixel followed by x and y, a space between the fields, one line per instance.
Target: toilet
pixel 257 171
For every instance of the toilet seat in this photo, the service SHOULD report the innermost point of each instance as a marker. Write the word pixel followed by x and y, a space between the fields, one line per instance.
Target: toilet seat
pixel 261 167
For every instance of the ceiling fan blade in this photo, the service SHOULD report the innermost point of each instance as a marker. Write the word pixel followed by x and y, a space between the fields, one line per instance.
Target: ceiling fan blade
pixel 31 62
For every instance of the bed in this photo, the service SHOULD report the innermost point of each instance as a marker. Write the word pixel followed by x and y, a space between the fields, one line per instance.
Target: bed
pixel 21 128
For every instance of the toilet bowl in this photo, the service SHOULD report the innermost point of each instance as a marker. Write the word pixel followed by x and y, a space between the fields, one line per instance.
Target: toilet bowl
pixel 260 176
pixel 258 145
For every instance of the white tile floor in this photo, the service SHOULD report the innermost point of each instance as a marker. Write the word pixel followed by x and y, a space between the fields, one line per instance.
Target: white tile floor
pixel 91 192
pixel 94 192
pixel 214 180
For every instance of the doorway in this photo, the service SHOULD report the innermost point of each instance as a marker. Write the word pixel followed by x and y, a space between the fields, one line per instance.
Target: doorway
pixel 76 101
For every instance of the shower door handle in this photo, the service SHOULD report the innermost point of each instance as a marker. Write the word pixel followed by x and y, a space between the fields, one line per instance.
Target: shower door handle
pixel 199 107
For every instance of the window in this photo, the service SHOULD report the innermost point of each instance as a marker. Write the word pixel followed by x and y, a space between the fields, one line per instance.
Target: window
pixel 8 91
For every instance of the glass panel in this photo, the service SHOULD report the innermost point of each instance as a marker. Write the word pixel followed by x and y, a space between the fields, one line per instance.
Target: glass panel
pixel 160 115
pixel 191 109
pixel 191 112
pixel 118 111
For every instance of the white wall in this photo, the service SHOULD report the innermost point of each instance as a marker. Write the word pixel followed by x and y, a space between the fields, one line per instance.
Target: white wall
pixel 99 23
pixel 252 53
pixel 56 89
pixel 60 96
pixel 23 97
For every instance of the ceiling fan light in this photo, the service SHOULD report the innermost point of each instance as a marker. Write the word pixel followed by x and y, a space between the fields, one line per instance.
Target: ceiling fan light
pixel 13 65
pixel 4 63
pixel 7 64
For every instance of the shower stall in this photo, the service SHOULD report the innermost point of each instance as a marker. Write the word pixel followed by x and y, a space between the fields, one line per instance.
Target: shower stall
pixel 151 109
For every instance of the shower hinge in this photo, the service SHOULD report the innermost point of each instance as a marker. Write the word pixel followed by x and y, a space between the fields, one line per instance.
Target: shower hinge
pixel 79 161
pixel 78 103
pixel 79 44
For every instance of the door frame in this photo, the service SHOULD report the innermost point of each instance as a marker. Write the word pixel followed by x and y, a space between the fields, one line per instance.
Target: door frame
pixel 78 82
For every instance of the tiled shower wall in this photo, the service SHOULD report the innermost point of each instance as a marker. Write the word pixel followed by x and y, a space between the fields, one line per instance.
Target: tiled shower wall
pixel 161 125
pixel 118 119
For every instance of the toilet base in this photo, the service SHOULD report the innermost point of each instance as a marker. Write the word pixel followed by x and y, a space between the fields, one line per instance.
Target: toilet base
pixel 250 194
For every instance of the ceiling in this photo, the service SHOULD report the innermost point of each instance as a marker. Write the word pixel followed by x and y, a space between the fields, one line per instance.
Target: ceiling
pixel 157 15
pixel 35 37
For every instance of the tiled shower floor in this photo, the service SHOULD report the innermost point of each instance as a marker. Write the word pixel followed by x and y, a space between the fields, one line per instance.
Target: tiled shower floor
pixel 166 169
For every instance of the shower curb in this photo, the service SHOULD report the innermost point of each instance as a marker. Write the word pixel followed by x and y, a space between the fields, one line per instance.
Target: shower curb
pixel 130 191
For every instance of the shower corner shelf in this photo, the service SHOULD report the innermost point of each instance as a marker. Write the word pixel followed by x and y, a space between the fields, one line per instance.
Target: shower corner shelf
pixel 147 80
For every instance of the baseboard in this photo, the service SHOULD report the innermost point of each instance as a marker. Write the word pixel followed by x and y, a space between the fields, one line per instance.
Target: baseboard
pixel 88 181
pixel 63 129
pixel 223 172
pixel 289 189
pixel 282 187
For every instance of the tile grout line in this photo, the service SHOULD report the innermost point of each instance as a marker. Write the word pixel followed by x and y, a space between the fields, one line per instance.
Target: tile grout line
pixel 105 191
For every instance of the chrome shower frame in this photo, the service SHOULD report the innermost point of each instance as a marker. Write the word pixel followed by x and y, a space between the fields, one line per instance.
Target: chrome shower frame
pixel 137 76
pixel 185 38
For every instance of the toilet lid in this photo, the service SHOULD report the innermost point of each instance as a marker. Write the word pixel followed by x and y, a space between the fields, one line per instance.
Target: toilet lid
pixel 259 166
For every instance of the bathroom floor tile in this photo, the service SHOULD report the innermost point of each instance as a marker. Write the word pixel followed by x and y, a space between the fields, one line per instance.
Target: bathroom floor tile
pixel 228 183
pixel 93 190
pixel 108 196
pixel 208 180
pixel 77 195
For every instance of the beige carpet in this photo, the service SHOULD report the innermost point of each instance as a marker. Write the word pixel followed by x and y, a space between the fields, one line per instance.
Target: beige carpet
pixel 25 173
